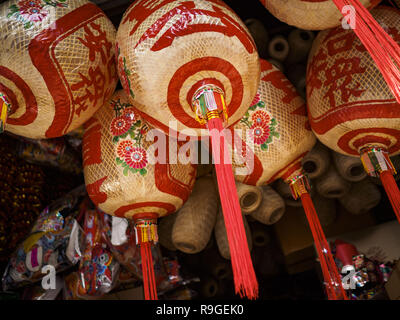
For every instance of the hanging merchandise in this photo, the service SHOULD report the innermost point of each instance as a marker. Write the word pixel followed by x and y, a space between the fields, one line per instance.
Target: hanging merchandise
pixel 270 143
pixel 22 197
pixel 126 176
pixel 57 65
pixel 310 14
pixel 55 152
pixel 98 269
pixel 377 39
pixel 122 243
pixel 351 108
pixel 364 276
pixel 189 66
pixel 55 239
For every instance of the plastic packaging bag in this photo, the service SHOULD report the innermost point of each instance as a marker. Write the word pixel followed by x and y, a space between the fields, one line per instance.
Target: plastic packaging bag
pixel 98 270
pixel 55 239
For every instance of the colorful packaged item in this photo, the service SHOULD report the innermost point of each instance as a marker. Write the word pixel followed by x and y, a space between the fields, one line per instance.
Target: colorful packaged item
pixel 55 239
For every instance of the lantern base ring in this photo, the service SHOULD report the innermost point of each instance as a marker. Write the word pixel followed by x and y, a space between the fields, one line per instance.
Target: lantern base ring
pixel 208 103
pixel 376 160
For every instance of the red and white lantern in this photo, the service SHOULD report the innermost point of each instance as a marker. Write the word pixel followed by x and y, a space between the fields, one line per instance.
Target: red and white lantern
pixel 123 179
pixel 351 108
pixel 189 66
pixel 57 65
pixel 270 142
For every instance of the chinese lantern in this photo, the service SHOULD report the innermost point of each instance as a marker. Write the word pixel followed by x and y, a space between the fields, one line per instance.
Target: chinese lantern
pixel 270 142
pixel 57 65
pixel 351 108
pixel 192 68
pixel 122 180
pixel 310 14
pixel 325 14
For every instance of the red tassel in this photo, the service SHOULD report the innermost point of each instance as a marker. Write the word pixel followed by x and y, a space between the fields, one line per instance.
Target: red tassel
pixel 149 280
pixel 333 283
pixel 392 190
pixel 382 48
pixel 243 272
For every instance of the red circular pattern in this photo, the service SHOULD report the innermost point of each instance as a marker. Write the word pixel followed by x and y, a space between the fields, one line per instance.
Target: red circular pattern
pixel 193 67
pixel 137 158
pixel 120 125
pixel 371 136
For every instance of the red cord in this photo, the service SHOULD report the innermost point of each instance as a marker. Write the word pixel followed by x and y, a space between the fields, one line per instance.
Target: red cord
pixel 382 48
pixel 243 272
pixel 149 282
pixel 333 282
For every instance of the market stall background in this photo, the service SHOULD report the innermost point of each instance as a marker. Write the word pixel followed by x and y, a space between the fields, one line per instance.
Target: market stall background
pixel 33 175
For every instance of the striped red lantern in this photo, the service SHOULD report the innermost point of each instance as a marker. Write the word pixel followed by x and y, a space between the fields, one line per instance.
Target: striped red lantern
pixel 310 14
pixel 270 142
pixel 57 65
pixel 123 179
pixel 189 66
pixel 351 108
pixel 325 14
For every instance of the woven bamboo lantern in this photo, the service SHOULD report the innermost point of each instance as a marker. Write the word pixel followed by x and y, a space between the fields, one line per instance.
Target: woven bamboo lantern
pixel 57 65
pixel 351 108
pixel 349 14
pixel 124 180
pixel 309 14
pixel 270 143
pixel 192 68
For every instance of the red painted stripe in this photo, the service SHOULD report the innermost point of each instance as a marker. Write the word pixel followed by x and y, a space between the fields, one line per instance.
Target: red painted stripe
pixel 42 53
pixel 121 211
pixel 189 69
pixel 379 110
pixel 94 193
pixel 288 170
pixel 31 110
pixel 344 141
pixel 167 183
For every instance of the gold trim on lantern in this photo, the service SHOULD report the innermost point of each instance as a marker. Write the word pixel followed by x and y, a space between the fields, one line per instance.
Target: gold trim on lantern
pixel 205 105
pixel 375 160
pixel 146 231
pixel 299 185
